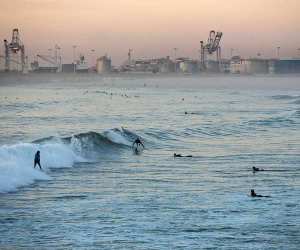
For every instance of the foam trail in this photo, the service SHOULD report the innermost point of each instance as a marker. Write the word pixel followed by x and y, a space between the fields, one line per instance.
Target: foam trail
pixel 16 163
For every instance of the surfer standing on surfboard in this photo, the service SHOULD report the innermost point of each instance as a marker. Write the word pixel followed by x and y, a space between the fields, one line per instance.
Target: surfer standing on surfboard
pixel 137 142
pixel 37 159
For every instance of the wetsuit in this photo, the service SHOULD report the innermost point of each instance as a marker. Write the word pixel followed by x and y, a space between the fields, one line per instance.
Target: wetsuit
pixel 253 194
pixel 179 155
pixel 138 142
pixel 37 159
pixel 255 169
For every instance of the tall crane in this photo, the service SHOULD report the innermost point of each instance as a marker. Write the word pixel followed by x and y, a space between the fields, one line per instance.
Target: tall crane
pixel 212 45
pixel 48 59
pixel 12 50
pixel 48 63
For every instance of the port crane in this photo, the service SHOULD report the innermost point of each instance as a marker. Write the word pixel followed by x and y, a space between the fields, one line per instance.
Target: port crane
pixel 47 59
pixel 14 52
pixel 212 45
pixel 48 62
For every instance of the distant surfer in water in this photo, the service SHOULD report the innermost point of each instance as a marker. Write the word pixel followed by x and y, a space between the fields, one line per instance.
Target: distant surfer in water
pixel 37 159
pixel 253 194
pixel 137 142
pixel 255 169
pixel 180 155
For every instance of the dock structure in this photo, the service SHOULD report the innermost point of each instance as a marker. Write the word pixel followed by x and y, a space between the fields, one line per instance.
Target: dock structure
pixel 14 54
pixel 212 46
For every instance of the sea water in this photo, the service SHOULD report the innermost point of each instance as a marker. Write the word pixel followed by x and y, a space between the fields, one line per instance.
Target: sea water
pixel 95 193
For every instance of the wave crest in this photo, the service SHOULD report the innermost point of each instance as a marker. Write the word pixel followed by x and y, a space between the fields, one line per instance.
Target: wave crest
pixel 16 161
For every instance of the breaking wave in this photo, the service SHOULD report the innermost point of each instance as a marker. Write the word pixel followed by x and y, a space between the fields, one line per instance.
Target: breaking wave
pixel 16 161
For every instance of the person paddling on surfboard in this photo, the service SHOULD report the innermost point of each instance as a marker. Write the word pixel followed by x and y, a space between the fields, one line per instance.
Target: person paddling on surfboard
pixel 137 142
pixel 253 194
pixel 255 169
pixel 180 155
pixel 37 159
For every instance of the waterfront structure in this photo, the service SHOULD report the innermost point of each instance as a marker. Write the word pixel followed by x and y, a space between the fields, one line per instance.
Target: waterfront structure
pixel 257 66
pixel 103 65
pixel 186 65
pixel 67 67
pixel 224 66
pixel 284 66
pixel 212 46
pixel 212 66
pixel 48 63
pixel 249 66
pixel 2 63
pixel 155 65
pixel 81 65
pixel 45 63
pixel 236 65
pixel 165 65
pixel 14 54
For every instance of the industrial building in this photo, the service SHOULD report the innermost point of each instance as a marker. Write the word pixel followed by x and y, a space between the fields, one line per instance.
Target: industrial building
pixel 81 65
pixel 256 66
pixel 212 66
pixel 224 65
pixel 155 65
pixel 249 66
pixel 68 68
pixel 186 65
pixel 237 65
pixel 14 59
pixel 284 66
pixel 103 65
pixel 2 63
pixel 165 65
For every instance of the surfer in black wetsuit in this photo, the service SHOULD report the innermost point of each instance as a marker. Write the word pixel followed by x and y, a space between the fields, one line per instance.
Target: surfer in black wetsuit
pixel 180 155
pixel 137 142
pixel 255 169
pixel 253 194
pixel 37 159
pixel 177 155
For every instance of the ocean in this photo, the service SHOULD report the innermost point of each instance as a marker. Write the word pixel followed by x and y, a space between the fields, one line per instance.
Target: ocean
pixel 95 193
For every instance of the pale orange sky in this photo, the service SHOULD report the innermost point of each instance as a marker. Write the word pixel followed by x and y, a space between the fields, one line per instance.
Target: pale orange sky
pixel 152 28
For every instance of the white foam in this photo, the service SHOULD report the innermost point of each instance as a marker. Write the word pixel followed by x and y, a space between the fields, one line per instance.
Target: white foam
pixel 16 163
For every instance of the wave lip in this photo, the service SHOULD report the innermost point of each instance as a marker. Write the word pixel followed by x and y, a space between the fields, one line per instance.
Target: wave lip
pixel 16 161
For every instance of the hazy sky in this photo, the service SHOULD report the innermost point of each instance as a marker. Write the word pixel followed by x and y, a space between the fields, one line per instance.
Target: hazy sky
pixel 152 28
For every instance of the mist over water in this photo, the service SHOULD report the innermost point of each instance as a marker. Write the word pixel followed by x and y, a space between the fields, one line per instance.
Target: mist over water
pixel 95 193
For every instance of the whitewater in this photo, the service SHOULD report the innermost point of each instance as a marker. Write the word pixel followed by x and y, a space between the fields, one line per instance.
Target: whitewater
pixel 17 160
pixel 95 193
